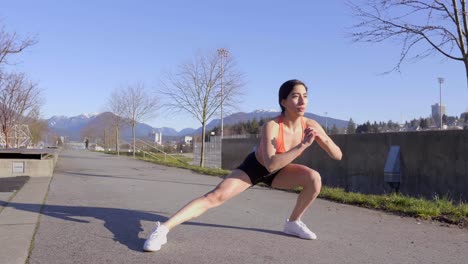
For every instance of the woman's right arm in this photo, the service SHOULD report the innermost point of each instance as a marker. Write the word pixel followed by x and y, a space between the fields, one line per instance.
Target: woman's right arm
pixel 273 161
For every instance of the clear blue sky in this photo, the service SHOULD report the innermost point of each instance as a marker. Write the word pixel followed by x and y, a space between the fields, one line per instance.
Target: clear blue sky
pixel 88 48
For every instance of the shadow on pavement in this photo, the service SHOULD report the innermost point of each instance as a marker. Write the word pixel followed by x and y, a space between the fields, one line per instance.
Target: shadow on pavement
pixel 123 223
pixel 140 179
pixel 133 178
pixel 11 184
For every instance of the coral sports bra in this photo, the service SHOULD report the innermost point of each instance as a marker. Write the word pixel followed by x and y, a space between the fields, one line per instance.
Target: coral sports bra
pixel 280 140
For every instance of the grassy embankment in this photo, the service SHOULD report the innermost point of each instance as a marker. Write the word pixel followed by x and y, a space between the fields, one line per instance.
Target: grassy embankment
pixel 440 208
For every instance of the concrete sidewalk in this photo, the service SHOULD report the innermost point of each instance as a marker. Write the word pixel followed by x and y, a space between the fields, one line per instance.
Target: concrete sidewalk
pixel 18 225
pixel 100 208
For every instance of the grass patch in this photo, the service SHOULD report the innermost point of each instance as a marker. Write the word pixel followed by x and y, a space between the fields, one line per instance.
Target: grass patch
pixel 178 161
pixel 440 209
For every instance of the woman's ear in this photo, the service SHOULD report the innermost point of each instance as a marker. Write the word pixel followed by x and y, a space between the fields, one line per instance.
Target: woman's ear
pixel 282 103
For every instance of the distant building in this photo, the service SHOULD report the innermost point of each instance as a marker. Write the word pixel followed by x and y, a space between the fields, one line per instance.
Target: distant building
pixel 96 147
pixel 157 137
pixel 435 113
pixel 188 140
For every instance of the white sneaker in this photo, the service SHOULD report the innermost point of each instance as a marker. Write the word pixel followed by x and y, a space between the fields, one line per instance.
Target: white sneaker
pixel 157 238
pixel 299 229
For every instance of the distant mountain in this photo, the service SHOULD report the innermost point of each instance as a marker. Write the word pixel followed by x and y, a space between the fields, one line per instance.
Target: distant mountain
pixel 167 131
pixel 186 131
pixel 259 114
pixel 72 127
pixel 69 126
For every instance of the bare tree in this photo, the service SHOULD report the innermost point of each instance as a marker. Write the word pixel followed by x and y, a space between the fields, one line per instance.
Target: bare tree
pixel 19 98
pixel 37 126
pixel 196 88
pixel 92 132
pixel 100 130
pixel 137 106
pixel 436 26
pixel 116 105
pixel 10 44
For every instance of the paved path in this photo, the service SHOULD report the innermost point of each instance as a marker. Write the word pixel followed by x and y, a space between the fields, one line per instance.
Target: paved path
pixel 100 208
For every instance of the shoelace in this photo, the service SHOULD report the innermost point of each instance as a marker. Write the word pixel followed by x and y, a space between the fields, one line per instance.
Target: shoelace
pixel 304 227
pixel 155 232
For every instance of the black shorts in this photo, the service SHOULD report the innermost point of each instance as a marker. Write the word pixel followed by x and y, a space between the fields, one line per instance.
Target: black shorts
pixel 256 171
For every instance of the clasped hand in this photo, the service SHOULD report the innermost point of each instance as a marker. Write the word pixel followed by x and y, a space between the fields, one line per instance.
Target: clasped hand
pixel 309 136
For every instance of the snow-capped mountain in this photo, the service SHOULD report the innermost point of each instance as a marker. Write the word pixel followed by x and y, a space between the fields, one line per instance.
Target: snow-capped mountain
pixel 259 114
pixel 260 111
pixel 72 127
pixel 89 115
pixel 69 126
pixel 69 122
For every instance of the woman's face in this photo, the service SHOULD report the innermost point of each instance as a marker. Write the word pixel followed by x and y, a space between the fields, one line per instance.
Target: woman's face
pixel 296 102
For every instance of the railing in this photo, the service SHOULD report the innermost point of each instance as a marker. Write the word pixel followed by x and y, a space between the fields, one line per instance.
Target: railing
pixel 153 147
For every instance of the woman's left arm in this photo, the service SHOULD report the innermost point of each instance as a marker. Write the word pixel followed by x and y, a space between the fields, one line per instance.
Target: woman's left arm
pixel 324 141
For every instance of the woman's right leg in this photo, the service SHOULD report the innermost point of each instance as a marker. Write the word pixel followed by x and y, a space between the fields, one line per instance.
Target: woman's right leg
pixel 232 185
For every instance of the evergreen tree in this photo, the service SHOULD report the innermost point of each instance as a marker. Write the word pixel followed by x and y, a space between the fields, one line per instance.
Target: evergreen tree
pixel 375 128
pixel 334 130
pixel 464 117
pixel 444 119
pixel 423 123
pixel 351 129
pixel 253 127
pixel 364 128
pixel 414 123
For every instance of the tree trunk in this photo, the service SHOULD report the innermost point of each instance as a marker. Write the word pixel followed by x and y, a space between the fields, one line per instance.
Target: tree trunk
pixel 133 133
pixel 7 141
pixel 466 70
pixel 117 141
pixel 202 151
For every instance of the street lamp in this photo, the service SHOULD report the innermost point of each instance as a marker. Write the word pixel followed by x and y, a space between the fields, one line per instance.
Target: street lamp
pixel 326 122
pixel 223 53
pixel 441 81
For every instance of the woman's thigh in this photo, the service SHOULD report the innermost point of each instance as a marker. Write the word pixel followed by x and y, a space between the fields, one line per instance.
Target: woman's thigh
pixel 294 175
pixel 232 185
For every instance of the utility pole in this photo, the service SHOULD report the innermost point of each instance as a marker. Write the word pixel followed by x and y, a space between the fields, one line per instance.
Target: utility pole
pixel 326 122
pixel 223 53
pixel 441 81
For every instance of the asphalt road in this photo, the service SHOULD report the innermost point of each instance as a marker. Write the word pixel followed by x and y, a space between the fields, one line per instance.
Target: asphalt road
pixel 100 209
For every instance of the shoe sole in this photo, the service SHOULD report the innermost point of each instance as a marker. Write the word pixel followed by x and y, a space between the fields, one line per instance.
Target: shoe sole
pixel 154 250
pixel 297 235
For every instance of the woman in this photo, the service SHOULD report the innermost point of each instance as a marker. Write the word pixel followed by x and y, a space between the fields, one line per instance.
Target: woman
pixel 282 140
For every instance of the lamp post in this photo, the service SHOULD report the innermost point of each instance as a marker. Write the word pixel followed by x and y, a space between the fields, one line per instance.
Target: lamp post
pixel 441 81
pixel 326 122
pixel 223 53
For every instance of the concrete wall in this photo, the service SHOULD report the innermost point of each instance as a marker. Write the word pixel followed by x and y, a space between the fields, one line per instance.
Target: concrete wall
pixel 212 154
pixel 234 150
pixel 32 167
pixel 433 162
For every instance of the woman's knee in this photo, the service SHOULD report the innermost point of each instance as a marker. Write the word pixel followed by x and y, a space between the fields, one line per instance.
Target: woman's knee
pixel 215 198
pixel 314 180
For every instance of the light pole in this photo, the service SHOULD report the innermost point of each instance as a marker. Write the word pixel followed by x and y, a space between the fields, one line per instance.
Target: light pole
pixel 441 81
pixel 326 122
pixel 223 53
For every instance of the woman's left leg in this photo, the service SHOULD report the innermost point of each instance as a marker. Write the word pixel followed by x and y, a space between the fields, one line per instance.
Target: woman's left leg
pixel 294 175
